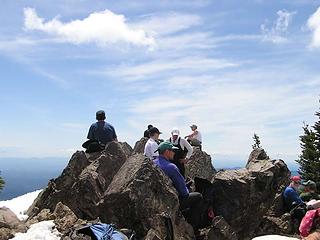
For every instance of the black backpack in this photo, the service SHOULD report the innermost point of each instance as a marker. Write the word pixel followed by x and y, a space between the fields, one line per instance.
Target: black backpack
pixel 202 215
pixel 92 146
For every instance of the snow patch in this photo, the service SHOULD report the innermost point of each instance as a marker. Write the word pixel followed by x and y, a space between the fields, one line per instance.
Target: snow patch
pixel 274 237
pixel 20 205
pixel 39 231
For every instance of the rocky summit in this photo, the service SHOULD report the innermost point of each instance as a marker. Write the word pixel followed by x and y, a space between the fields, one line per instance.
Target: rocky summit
pixel 119 185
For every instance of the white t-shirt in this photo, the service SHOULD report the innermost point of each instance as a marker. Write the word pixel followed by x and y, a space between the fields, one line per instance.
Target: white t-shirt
pixel 150 148
pixel 197 136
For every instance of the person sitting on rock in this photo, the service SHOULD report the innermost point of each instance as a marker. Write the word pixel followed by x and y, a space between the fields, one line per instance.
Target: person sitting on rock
pixel 188 201
pixel 194 138
pixel 292 202
pixel 150 149
pixel 146 132
pixel 309 191
pixel 102 131
pixel 184 151
pixel 292 198
pixel 291 195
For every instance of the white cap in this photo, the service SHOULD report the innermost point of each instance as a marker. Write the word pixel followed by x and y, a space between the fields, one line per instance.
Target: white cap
pixel 175 132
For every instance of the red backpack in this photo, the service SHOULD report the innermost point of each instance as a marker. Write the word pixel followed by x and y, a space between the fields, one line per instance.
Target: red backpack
pixel 309 222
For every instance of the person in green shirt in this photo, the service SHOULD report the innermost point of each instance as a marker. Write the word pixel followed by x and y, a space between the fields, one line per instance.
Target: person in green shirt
pixel 309 191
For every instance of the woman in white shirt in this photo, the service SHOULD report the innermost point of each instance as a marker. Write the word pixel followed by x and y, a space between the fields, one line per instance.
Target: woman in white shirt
pixel 151 146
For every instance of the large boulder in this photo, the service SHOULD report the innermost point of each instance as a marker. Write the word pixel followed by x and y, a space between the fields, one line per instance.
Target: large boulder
pixel 276 225
pixel 141 197
pixel 83 182
pixel 8 219
pixel 200 165
pixel 255 156
pixel 9 224
pixel 221 230
pixel 6 233
pixel 244 196
pixel 139 146
pixel 126 148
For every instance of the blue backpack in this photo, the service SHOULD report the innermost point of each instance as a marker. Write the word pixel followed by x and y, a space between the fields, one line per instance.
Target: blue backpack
pixel 99 231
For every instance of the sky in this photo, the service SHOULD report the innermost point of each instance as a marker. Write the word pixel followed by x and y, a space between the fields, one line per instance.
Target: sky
pixel 234 68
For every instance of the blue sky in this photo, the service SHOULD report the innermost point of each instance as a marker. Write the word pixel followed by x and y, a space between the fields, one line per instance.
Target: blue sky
pixel 234 68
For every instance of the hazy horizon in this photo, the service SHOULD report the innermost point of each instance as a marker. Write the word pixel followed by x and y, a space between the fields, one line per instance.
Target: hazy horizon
pixel 23 175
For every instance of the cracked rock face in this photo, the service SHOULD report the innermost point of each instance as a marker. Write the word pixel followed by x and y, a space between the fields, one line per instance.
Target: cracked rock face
pixel 243 197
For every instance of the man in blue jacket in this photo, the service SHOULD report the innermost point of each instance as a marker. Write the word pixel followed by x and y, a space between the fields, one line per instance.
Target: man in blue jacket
pixel 291 194
pixel 187 200
pixel 102 131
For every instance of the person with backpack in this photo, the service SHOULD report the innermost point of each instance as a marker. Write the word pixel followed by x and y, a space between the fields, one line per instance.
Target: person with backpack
pixel 184 151
pixel 188 201
pixel 100 133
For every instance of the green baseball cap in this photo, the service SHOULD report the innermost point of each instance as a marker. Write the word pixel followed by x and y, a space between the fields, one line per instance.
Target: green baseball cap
pixel 165 146
pixel 310 183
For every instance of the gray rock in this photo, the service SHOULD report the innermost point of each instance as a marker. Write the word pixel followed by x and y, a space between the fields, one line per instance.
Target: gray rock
pixel 10 224
pixel 8 219
pixel 83 182
pixel 64 218
pixel 6 233
pixel 43 215
pixel 126 148
pixel 139 146
pixel 138 197
pixel 152 235
pixel 256 155
pixel 200 165
pixel 244 196
pixel 221 230
pixel 276 225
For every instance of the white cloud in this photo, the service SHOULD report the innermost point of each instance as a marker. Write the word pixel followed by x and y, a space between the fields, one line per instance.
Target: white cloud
pixel 188 64
pixel 168 23
pixel 314 25
pixel 277 33
pixel 229 112
pixel 101 28
pixel 188 41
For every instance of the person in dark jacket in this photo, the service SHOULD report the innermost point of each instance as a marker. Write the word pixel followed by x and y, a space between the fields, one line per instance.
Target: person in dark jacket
pixel 102 131
pixel 187 200
pixel 291 194
pixel 184 151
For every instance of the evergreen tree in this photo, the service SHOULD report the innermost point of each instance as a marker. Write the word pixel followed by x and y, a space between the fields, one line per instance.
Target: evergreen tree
pixel 256 141
pixel 316 128
pixel 2 182
pixel 309 159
